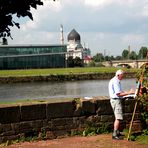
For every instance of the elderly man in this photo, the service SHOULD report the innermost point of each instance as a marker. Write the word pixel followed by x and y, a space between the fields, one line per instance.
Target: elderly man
pixel 116 93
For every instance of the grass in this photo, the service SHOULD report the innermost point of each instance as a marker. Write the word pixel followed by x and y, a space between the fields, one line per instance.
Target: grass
pixel 60 71
pixel 142 139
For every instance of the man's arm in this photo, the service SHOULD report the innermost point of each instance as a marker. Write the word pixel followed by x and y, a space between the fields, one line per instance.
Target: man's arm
pixel 124 93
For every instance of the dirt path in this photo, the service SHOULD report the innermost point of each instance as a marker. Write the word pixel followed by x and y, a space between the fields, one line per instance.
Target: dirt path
pixel 99 141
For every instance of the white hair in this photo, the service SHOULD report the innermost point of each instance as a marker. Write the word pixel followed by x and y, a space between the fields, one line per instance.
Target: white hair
pixel 119 72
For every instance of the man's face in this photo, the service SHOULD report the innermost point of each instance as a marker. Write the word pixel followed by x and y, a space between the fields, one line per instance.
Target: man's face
pixel 120 77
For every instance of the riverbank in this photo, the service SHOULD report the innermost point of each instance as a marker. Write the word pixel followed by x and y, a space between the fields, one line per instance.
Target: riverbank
pixel 62 74
pixel 62 77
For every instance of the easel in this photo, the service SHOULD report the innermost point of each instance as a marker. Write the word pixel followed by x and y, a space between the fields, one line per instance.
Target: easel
pixel 137 98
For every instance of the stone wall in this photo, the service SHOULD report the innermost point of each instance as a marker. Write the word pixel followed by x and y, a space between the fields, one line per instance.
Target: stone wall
pixel 59 119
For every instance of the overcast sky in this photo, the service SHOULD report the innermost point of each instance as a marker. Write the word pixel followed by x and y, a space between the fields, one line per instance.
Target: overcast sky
pixel 106 26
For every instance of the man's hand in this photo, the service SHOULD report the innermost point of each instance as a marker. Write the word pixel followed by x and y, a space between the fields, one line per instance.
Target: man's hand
pixel 131 91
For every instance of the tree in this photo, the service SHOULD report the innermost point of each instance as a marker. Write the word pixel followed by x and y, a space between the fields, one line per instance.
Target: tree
pixel 78 62
pixel 125 54
pixel 98 57
pixel 20 8
pixel 118 58
pixel 143 52
pixel 133 55
pixel 4 41
pixel 70 61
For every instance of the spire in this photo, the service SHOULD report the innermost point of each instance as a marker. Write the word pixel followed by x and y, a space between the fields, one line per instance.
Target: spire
pixel 61 36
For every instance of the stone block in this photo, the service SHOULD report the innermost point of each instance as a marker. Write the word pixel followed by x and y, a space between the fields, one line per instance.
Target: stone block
pixel 9 114
pixel 129 101
pixel 136 126
pixel 33 112
pixel 103 107
pixel 61 133
pixel 88 107
pixel 94 119
pixel 127 116
pixel 107 118
pixel 26 126
pixel 60 109
pixel 5 128
pixel 50 135
pixel 8 138
pixel 63 121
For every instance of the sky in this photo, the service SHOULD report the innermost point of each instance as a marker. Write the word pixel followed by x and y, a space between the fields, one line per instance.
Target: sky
pixel 105 26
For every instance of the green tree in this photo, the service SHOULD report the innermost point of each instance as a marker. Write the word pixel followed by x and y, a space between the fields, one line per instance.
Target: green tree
pixel 78 62
pixel 133 55
pixel 118 58
pixel 92 64
pixel 70 61
pixel 142 52
pixel 125 54
pixel 98 57
pixel 17 8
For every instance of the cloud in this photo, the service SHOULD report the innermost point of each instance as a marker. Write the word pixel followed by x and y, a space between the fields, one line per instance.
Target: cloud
pixel 145 11
pixel 98 3
pixel 102 24
pixel 133 38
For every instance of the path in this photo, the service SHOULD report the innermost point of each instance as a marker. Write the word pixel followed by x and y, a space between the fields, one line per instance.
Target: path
pixel 99 141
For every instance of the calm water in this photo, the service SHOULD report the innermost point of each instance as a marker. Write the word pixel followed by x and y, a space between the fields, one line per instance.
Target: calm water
pixel 48 90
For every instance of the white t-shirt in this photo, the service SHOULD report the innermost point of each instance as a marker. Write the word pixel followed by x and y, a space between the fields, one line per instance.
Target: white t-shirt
pixel 114 87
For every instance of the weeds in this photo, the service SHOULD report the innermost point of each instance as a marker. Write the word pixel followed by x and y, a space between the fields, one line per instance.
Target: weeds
pixel 93 129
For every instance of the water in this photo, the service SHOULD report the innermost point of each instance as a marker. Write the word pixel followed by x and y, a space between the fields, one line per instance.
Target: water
pixel 53 90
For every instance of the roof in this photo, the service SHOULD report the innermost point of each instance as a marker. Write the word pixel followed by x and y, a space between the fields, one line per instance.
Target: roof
pixel 74 35
pixel 87 58
pixel 31 45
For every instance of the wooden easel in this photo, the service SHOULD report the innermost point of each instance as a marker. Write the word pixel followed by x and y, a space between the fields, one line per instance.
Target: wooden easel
pixel 137 98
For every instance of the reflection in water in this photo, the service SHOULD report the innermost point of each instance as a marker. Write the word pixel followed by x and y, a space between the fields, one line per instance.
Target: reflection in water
pixel 53 90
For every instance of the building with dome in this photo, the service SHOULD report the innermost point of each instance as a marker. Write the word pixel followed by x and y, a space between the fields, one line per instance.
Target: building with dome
pixel 43 55
pixel 74 47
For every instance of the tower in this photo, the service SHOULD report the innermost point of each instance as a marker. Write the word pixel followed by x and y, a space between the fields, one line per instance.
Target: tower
pixel 61 34
pixel 74 46
pixel 129 49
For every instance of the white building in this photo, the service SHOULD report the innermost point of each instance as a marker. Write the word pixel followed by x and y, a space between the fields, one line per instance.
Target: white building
pixel 74 47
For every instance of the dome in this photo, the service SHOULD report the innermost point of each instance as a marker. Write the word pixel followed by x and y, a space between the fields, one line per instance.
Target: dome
pixel 74 35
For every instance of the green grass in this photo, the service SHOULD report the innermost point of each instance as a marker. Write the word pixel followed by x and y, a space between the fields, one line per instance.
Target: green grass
pixel 142 139
pixel 59 71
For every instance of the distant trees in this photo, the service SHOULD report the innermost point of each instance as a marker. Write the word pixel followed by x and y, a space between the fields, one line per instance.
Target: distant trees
pixel 125 54
pixel 74 62
pixel 98 57
pixel 129 55
pixel 142 54
pixel 133 55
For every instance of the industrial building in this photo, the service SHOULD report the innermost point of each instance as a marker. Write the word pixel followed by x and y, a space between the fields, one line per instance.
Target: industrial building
pixel 32 56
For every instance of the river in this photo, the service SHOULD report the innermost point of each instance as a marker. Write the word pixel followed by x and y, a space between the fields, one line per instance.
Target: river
pixel 56 90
